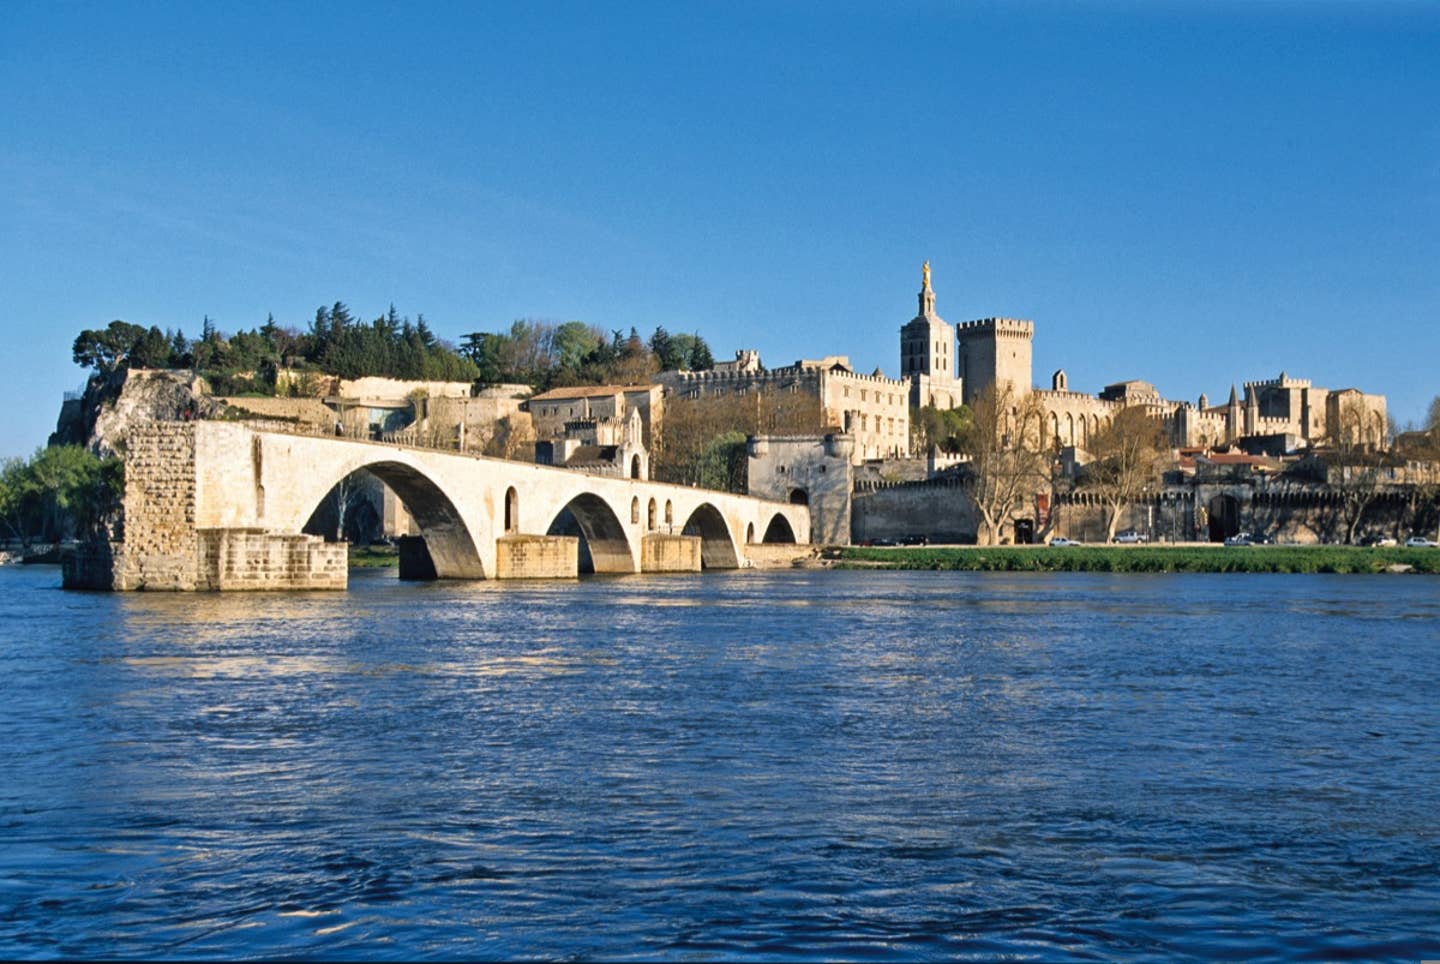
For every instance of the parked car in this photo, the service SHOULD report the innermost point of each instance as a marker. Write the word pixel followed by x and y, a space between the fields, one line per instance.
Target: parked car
pixel 1062 541
pixel 1379 542
pixel 915 541
pixel 1131 537
pixel 1240 539
pixel 1419 542
pixel 879 542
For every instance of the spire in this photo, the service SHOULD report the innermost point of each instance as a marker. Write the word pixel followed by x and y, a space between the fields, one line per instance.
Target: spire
pixel 927 296
pixel 1234 398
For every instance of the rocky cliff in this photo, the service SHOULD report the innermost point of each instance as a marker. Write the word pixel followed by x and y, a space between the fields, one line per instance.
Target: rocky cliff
pixel 115 403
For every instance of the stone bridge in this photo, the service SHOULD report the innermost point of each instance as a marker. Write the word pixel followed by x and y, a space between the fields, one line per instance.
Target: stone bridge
pixel 222 505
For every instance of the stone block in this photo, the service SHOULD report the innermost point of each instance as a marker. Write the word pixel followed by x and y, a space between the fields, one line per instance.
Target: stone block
pixel 667 553
pixel 537 557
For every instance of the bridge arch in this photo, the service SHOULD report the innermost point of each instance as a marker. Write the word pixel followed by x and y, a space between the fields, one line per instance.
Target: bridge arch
pixel 605 544
pixel 779 530
pixel 451 544
pixel 717 545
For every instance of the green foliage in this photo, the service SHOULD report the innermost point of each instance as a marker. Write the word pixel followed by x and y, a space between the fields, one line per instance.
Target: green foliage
pixel 946 429
pixel 723 462
pixel 549 356
pixel 249 362
pixel 62 490
pixel 1257 559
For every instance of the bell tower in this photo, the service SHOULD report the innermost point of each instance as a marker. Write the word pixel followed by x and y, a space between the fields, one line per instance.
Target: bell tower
pixel 927 353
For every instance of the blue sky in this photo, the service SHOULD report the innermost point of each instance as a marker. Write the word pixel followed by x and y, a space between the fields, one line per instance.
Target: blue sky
pixel 1191 194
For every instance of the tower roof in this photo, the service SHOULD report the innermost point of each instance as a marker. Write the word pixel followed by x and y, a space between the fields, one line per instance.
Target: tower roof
pixel 927 296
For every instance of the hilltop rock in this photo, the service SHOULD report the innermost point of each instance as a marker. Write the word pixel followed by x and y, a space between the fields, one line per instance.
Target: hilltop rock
pixel 112 404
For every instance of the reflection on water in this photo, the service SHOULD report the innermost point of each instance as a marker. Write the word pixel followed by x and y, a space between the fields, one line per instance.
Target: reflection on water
pixel 797 764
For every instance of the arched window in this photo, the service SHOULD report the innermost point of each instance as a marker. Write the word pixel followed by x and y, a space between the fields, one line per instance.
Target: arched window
pixel 669 513
pixel 635 467
pixel 799 497
pixel 650 515
pixel 635 509
pixel 512 510
pixel 750 532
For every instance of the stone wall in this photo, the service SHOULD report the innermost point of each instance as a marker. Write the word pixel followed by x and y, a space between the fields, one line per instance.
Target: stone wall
pixel 160 540
pixel 812 469
pixel 939 509
pixel 303 411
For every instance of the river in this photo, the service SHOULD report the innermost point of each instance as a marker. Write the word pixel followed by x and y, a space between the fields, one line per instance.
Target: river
pixel 758 765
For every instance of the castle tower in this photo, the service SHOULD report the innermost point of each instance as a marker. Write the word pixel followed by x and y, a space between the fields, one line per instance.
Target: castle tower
pixel 927 357
pixel 993 352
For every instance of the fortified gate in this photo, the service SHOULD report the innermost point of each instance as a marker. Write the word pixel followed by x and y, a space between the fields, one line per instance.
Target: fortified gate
pixel 221 505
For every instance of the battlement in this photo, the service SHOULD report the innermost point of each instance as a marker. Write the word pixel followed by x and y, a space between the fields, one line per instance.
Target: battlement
pixel 999 327
pixel 899 384
pixel 731 376
pixel 1054 395
pixel 1281 381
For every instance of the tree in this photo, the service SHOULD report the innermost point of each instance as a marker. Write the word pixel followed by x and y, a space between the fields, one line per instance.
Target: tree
pixel 1009 459
pixel 62 490
pixel 944 429
pixel 1128 457
pixel 1354 464
pixel 106 350
pixel 698 435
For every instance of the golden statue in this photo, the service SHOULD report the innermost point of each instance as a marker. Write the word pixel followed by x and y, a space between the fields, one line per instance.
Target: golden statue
pixel 926 270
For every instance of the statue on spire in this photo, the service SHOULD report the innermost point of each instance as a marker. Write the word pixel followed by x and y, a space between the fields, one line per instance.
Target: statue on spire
pixel 925 272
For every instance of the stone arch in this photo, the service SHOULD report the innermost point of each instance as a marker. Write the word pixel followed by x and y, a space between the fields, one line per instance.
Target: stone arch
pixel 635 510
pixel 779 530
pixel 750 534
pixel 604 547
pixel 799 497
pixel 1223 512
pixel 1070 427
pixel 449 541
pixel 651 516
pixel 634 466
pixel 512 510
pixel 1054 427
pixel 717 547
pixel 669 513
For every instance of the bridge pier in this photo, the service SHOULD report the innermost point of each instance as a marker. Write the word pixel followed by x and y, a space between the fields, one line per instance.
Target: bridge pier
pixel 537 557
pixel 667 553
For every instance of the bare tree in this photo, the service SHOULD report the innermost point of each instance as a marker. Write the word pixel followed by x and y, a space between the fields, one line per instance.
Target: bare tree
pixel 1128 454
pixel 1009 457
pixel 681 448
pixel 1354 464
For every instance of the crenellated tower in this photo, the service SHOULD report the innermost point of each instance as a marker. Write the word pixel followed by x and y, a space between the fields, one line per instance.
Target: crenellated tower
pixel 995 351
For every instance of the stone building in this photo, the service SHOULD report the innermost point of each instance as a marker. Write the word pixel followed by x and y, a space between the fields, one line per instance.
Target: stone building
pixel 872 409
pixel 550 411
pixel 813 470
pixel 927 359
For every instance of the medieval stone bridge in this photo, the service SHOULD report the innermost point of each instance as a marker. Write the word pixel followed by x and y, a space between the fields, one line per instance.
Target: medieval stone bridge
pixel 222 505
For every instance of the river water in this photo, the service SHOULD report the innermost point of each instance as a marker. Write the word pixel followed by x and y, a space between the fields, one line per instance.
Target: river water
pixel 784 765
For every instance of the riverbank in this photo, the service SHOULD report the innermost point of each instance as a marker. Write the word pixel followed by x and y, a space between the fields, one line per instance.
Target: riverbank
pixel 1196 558
pixel 374 557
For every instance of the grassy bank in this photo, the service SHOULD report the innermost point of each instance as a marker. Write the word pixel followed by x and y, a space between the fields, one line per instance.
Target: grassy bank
pixel 1144 559
pixel 373 557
